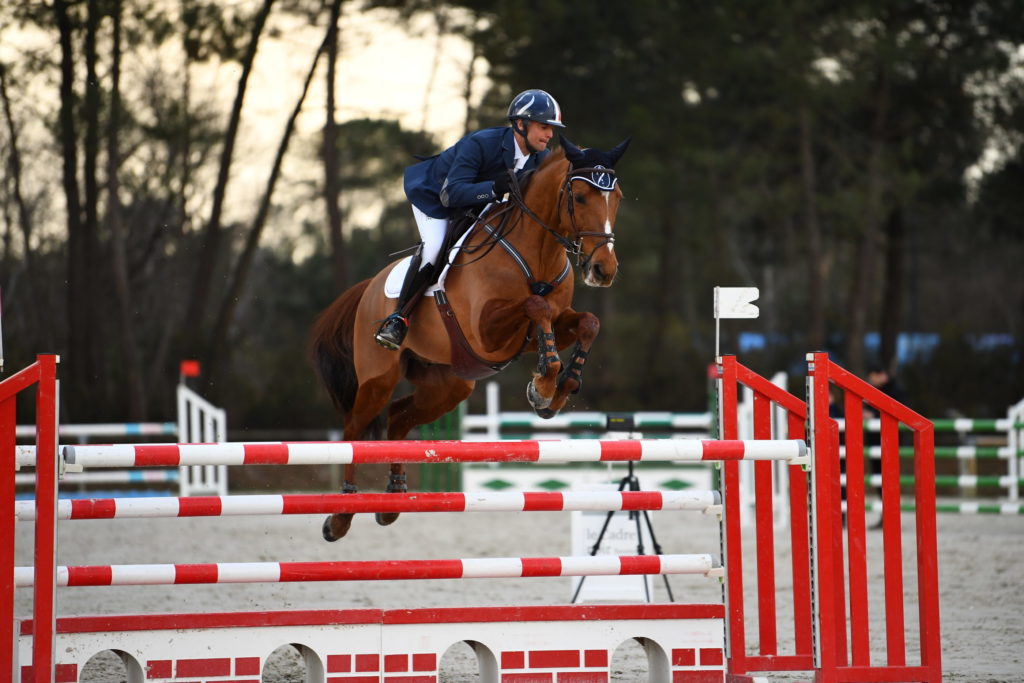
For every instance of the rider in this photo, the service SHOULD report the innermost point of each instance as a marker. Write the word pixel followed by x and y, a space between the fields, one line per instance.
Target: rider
pixel 469 174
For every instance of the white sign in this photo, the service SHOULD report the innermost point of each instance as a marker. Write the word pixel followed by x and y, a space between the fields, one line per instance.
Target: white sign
pixel 620 538
pixel 736 302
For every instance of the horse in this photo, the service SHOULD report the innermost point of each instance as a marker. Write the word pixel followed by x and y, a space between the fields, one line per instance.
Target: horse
pixel 509 283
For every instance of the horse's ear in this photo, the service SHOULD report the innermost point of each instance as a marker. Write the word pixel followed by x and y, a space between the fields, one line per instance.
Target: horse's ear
pixel 616 152
pixel 572 152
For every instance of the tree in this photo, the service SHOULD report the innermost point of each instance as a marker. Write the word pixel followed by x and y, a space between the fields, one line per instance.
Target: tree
pixel 332 186
pixel 207 258
pixel 217 345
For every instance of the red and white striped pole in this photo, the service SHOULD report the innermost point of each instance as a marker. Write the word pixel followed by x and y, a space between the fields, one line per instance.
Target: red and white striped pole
pixel 388 570
pixel 363 452
pixel 487 501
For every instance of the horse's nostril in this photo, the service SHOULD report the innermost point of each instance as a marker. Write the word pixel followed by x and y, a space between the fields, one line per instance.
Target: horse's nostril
pixel 598 271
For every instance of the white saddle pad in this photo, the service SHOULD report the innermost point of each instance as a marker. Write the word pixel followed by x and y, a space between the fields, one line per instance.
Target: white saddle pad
pixel 393 285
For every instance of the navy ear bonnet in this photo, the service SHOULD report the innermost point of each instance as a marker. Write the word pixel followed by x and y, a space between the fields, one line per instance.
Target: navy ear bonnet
pixel 597 166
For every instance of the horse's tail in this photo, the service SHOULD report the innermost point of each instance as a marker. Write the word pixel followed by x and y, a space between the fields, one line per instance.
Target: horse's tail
pixel 330 351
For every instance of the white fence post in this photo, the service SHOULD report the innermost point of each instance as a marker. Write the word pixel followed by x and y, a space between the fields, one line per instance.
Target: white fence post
pixel 493 412
pixel 199 421
pixel 1015 415
pixel 780 430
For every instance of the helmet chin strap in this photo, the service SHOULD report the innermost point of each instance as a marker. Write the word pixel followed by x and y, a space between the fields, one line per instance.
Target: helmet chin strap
pixel 519 126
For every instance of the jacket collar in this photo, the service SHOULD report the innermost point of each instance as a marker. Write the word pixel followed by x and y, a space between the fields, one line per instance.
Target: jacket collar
pixel 508 143
pixel 508 154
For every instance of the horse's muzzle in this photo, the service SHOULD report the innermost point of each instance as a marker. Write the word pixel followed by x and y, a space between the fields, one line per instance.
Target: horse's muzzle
pixel 598 274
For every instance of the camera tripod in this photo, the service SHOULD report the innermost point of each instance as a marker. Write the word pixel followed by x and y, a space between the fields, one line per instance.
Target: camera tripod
pixel 631 483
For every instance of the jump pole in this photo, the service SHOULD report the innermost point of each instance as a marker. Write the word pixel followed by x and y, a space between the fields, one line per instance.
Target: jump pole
pixel 384 452
pixel 299 504
pixel 386 570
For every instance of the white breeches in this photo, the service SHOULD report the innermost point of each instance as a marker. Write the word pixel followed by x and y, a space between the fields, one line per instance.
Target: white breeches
pixel 432 231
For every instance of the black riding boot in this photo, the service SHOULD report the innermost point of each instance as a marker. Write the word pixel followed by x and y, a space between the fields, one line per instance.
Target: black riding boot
pixel 392 331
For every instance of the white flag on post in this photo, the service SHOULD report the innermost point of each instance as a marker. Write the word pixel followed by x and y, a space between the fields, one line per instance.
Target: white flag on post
pixel 733 302
pixel 736 302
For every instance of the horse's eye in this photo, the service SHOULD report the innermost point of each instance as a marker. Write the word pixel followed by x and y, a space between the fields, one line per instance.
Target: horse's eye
pixel 580 199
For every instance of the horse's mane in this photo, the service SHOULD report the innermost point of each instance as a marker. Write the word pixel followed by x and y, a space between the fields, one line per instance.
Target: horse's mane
pixel 556 155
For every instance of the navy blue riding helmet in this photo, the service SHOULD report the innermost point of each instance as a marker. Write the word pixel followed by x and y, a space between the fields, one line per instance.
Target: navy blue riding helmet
pixel 535 105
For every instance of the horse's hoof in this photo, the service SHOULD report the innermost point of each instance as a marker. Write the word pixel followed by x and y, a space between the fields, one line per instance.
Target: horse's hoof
pixel 386 518
pixel 336 531
pixel 546 413
pixel 536 400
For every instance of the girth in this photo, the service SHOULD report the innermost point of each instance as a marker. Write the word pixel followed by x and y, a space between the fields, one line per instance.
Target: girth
pixel 465 362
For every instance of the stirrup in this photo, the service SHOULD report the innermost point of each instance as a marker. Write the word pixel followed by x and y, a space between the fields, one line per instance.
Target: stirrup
pixel 392 332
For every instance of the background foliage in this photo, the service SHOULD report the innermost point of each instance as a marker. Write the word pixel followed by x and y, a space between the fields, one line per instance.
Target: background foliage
pixel 860 162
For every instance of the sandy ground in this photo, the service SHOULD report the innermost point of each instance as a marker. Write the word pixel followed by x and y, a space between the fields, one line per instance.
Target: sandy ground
pixel 980 560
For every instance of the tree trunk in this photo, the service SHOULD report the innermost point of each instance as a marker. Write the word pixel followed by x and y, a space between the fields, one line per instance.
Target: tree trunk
pixel 864 264
pixel 812 230
pixel 441 23
pixel 332 176
pixel 133 373
pixel 189 20
pixel 40 322
pixel 665 283
pixel 94 272
pixel 216 359
pixel 207 258
pixel 77 369
pixel 158 373
pixel 892 296
pixel 468 93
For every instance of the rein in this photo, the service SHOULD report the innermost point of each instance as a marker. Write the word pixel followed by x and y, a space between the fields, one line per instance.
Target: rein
pixel 599 176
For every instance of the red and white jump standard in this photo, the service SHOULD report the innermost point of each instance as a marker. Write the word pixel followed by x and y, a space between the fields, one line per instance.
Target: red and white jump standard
pixel 685 643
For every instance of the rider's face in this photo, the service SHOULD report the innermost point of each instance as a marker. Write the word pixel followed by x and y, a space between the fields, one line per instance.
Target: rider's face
pixel 538 134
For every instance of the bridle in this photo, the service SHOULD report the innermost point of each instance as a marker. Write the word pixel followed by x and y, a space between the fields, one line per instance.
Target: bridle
pixel 600 177
pixel 603 179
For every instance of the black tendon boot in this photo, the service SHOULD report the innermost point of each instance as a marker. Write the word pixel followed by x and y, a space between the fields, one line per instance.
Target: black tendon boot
pixel 392 331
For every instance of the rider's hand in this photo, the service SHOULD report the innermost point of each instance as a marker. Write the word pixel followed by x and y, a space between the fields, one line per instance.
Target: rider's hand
pixel 502 184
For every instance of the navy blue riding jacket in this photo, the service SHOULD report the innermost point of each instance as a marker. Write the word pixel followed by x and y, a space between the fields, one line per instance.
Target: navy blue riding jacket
pixel 463 175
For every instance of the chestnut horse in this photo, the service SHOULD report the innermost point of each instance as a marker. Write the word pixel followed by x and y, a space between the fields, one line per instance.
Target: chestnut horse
pixel 510 282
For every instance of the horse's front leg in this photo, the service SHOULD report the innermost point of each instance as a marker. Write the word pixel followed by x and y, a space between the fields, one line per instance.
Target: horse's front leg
pixel 582 328
pixel 541 389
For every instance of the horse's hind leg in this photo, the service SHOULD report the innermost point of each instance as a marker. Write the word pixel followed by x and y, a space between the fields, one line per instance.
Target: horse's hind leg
pixel 371 398
pixel 436 391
